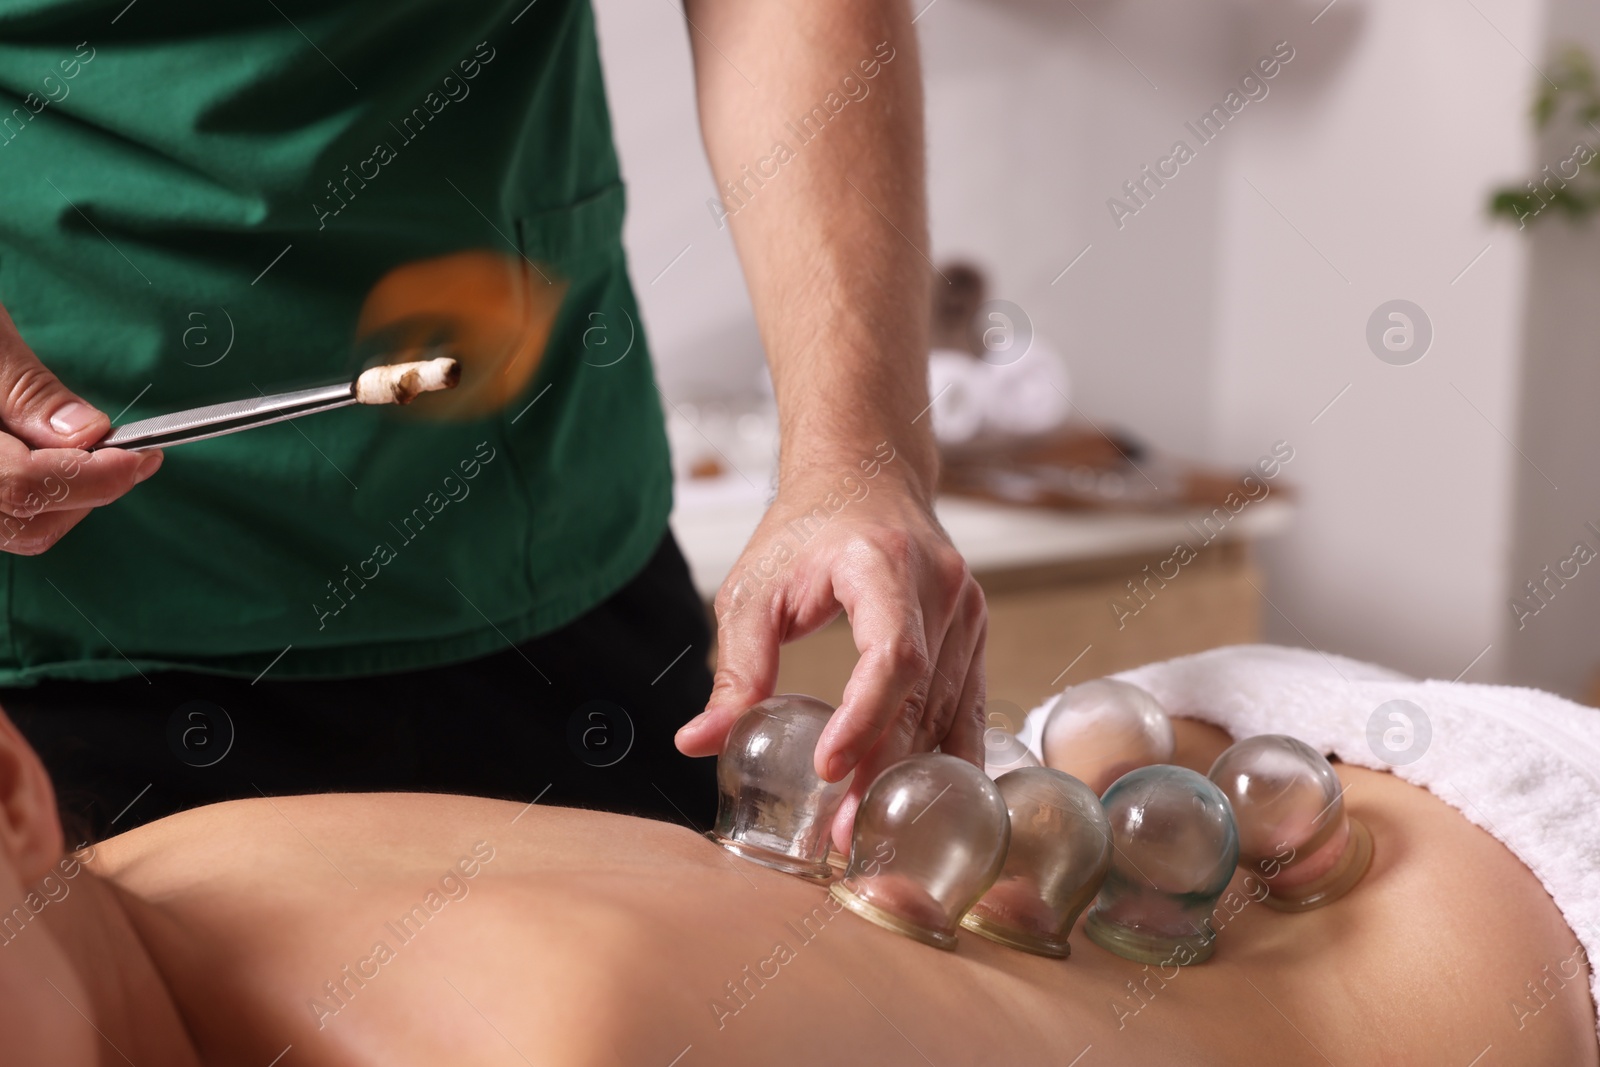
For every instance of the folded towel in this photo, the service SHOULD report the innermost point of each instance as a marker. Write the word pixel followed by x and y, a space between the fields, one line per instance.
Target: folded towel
pixel 1029 395
pixel 958 388
pixel 1522 764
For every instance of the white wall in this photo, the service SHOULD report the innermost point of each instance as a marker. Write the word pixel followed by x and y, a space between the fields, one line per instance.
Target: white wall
pixel 697 314
pixel 1209 323
pixel 1384 168
pixel 1559 648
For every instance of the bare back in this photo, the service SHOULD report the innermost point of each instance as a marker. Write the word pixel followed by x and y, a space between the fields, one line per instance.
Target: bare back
pixel 399 929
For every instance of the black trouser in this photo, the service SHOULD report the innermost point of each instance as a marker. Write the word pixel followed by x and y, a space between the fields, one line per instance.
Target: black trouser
pixel 583 717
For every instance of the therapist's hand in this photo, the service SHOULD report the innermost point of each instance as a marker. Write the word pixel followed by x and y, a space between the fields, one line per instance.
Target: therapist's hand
pixel 47 482
pixel 836 540
pixel 832 234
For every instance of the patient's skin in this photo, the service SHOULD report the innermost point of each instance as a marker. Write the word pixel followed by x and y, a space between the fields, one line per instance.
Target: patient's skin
pixel 592 939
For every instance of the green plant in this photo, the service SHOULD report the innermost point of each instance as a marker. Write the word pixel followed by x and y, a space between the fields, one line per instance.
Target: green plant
pixel 1568 92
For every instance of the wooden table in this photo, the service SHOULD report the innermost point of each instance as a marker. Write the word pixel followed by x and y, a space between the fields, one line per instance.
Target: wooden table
pixel 1051 578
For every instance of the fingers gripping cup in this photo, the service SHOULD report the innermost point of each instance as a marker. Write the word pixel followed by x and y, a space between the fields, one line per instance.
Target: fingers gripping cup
pixel 772 807
pixel 1100 730
pixel 930 838
pixel 1293 830
pixel 1060 853
pixel 1174 849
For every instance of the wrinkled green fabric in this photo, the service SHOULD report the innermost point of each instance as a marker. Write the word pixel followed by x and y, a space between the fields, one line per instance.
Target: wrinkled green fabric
pixel 184 180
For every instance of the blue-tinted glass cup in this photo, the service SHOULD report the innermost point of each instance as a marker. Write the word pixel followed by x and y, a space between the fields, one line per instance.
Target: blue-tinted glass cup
pixel 1175 845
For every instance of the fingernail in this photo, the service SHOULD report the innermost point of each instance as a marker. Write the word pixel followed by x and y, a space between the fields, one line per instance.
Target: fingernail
pixel 693 723
pixel 839 765
pixel 148 466
pixel 73 418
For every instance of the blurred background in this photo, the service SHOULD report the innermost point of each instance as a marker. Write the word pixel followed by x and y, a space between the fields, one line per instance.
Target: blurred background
pixel 1443 472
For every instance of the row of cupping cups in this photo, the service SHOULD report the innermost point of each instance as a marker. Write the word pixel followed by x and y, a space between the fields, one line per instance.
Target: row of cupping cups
pixel 937 844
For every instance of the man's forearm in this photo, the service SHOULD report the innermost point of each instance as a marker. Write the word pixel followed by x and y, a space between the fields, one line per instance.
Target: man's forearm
pixel 812 119
pixel 812 116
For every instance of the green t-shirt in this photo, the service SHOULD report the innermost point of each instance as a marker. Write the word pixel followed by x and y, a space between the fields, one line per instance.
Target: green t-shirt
pixel 196 202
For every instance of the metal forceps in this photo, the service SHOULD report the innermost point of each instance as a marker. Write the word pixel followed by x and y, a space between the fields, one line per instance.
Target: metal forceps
pixel 397 383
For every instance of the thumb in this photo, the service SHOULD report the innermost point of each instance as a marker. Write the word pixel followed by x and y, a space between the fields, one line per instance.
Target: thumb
pixel 747 669
pixel 35 406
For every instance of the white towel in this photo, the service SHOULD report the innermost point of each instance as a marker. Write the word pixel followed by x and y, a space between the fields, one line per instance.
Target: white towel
pixel 958 388
pixel 1028 396
pixel 1522 764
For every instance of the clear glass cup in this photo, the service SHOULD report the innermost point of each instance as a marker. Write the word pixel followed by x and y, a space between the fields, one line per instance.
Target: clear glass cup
pixel 1004 751
pixel 772 806
pixel 1060 853
pixel 1175 845
pixel 1294 832
pixel 1102 729
pixel 930 837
